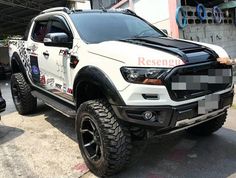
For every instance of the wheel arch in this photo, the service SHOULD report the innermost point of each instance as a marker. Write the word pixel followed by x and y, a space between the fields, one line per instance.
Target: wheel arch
pixel 17 66
pixel 98 83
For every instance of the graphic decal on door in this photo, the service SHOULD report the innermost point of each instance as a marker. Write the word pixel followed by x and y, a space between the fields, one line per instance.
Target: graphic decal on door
pixel 35 72
pixel 34 48
pixel 50 82
pixel 42 80
pixel 24 56
pixel 29 60
pixel 70 91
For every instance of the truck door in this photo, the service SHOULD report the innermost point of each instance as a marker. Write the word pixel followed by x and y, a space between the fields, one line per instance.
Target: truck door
pixel 59 54
pixel 53 60
pixel 35 49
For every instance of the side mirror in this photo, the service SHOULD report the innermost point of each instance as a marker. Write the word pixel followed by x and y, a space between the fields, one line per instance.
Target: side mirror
pixel 165 31
pixel 57 39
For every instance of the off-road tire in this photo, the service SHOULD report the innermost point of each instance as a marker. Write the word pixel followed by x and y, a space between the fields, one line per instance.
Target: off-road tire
pixel 207 128
pixel 115 138
pixel 25 103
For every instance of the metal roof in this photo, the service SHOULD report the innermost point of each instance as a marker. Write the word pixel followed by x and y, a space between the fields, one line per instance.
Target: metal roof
pixel 16 14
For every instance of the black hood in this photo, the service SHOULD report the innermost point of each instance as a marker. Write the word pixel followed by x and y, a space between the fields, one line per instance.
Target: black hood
pixel 187 51
pixel 169 42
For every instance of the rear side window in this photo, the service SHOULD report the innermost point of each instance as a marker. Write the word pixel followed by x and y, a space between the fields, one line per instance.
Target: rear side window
pixel 40 30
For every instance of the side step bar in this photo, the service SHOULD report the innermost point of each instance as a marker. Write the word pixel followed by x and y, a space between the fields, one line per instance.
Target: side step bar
pixel 60 106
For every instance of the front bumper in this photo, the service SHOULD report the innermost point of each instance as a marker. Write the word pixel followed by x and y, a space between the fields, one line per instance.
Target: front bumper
pixel 169 117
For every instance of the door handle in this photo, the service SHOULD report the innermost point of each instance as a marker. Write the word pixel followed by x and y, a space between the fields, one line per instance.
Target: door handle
pixel 46 54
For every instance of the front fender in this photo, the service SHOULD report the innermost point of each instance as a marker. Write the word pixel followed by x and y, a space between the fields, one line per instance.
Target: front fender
pixel 97 77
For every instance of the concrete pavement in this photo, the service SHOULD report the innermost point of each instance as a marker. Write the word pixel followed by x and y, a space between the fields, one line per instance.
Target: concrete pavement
pixel 44 145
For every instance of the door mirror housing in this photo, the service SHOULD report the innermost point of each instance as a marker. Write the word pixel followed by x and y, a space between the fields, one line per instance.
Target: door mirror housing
pixel 57 39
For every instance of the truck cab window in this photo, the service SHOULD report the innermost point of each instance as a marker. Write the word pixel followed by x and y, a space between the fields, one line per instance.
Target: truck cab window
pixel 40 30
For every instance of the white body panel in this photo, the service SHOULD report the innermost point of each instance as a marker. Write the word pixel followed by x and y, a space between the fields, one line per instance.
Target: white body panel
pixel 134 55
pixel 132 95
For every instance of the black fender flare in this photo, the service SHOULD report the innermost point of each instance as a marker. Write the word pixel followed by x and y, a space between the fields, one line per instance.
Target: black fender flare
pixel 16 59
pixel 97 77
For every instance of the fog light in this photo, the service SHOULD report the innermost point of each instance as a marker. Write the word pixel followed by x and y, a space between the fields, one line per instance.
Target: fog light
pixel 149 116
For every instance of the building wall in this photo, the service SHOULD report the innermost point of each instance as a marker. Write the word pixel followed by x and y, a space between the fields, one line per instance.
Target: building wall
pixel 124 6
pixel 4 57
pixel 105 3
pixel 80 5
pixel 223 34
pixel 154 11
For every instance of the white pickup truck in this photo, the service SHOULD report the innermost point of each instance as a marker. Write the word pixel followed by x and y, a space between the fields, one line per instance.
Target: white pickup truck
pixel 121 78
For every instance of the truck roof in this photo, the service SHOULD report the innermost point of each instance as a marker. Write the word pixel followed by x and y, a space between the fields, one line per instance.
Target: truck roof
pixel 68 11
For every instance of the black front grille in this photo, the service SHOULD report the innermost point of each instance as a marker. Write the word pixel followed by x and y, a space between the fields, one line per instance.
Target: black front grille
pixel 198 80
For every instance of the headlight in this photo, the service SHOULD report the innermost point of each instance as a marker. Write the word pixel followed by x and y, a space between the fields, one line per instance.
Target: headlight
pixel 151 76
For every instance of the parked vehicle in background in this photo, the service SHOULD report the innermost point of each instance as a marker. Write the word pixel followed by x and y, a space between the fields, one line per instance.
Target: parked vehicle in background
pixel 4 59
pixel 2 103
pixel 121 78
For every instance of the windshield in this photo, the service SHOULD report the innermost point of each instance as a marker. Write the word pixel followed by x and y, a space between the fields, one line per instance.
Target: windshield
pixel 98 27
